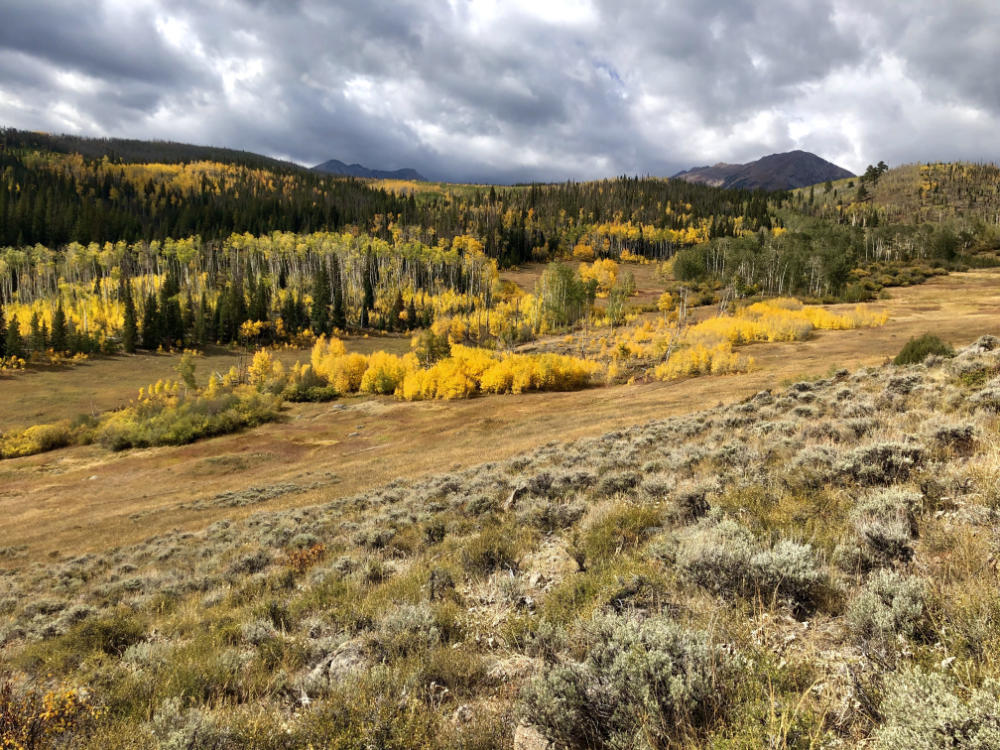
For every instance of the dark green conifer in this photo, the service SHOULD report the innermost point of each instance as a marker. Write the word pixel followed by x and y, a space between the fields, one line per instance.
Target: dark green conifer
pixel 339 316
pixel 150 324
pixel 130 333
pixel 60 341
pixel 3 333
pixel 14 342
pixel 320 314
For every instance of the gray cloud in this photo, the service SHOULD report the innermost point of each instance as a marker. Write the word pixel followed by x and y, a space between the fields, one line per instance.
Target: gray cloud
pixel 486 90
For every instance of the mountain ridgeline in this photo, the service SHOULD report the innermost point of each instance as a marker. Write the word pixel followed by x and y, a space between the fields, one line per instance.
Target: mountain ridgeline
pixel 787 171
pixel 337 167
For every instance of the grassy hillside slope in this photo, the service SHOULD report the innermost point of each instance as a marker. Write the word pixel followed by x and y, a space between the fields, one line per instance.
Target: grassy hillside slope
pixel 805 566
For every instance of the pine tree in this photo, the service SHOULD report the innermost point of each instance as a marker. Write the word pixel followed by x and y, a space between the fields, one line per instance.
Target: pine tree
pixel 339 316
pixel 171 322
pixel 14 342
pixel 202 320
pixel 130 333
pixel 59 331
pixel 36 339
pixel 411 314
pixel 150 324
pixel 260 301
pixel 395 321
pixel 368 300
pixel 188 316
pixel 320 314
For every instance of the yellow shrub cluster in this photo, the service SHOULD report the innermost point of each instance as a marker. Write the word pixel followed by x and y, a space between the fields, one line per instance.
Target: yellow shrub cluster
pixel 331 362
pixel 264 369
pixel 384 373
pixel 628 256
pixel 517 373
pixel 10 364
pixel 604 272
pixel 780 320
pixel 29 720
pixel 36 439
pixel 465 372
pixel 698 359
pixel 468 371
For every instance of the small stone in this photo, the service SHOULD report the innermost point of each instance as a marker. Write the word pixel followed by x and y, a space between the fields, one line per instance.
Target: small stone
pixel 529 738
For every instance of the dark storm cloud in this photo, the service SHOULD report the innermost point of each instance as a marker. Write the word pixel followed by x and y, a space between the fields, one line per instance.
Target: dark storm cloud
pixel 513 90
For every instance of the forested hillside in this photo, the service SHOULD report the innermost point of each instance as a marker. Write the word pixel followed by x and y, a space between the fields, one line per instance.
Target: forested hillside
pixel 59 190
pixel 853 237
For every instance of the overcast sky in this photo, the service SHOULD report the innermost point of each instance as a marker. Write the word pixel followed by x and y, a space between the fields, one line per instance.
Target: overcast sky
pixel 515 89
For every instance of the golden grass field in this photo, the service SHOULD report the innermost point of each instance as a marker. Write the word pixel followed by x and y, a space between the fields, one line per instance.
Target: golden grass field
pixel 84 499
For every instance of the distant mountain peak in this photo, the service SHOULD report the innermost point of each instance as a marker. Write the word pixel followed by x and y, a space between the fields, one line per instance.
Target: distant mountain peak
pixel 793 169
pixel 335 166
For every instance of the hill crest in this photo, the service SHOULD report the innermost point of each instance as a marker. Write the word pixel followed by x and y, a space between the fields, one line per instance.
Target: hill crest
pixel 784 171
pixel 335 166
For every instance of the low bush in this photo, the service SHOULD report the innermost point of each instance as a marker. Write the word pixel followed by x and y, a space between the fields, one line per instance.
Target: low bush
pixel 722 556
pixel 917 349
pixel 29 719
pixel 923 711
pixel 619 530
pixel 407 629
pixel 889 606
pixel 36 439
pixel 886 524
pixel 165 416
pixel 490 550
pixel 649 684
pixel 881 463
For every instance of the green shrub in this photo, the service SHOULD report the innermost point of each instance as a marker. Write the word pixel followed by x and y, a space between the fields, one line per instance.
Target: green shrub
pixel 619 530
pixel 886 524
pixel 407 629
pixel 881 463
pixel 923 712
pixel 162 422
pixel 722 556
pixel 890 605
pixel 300 392
pixel 639 685
pixel 36 439
pixel 488 551
pixel 917 349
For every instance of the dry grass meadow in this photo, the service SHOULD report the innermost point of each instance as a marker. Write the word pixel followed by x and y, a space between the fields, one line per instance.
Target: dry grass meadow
pixel 86 499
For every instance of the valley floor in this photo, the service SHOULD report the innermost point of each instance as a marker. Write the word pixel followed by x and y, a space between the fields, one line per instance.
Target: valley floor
pixel 86 499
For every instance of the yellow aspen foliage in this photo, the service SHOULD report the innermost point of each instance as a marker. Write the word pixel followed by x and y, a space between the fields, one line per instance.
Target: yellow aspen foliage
pixel 385 372
pixel 326 358
pixel 628 256
pixel 781 319
pixel 468 371
pixel 517 373
pixel 604 272
pixel 345 373
pixel 11 364
pixel 698 359
pixel 583 252
pixel 264 369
